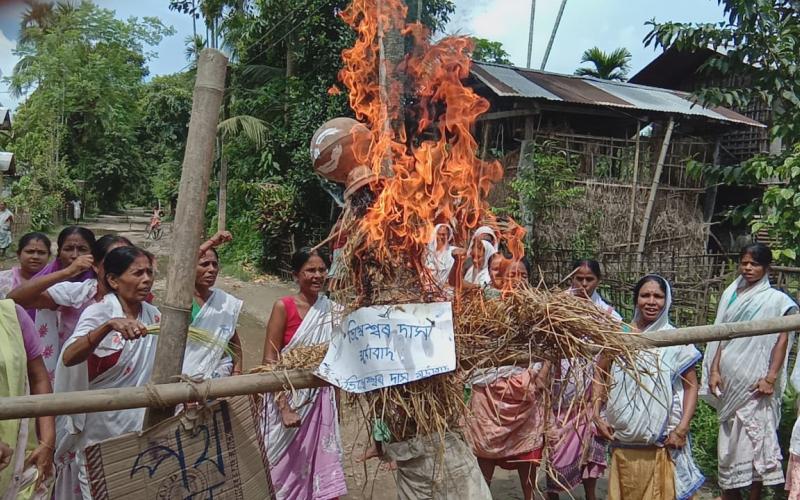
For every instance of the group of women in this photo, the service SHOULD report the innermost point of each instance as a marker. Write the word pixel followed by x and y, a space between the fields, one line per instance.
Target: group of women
pixel 81 322
pixel 641 414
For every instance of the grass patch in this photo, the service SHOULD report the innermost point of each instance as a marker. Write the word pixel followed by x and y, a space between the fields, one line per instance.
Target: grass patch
pixel 236 270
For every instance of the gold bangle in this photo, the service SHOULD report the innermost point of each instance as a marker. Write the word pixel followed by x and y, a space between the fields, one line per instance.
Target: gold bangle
pixel 49 447
pixel 770 382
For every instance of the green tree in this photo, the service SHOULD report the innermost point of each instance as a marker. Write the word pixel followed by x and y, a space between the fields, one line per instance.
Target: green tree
pixel 613 65
pixel 760 65
pixel 84 73
pixel 165 108
pixel 489 51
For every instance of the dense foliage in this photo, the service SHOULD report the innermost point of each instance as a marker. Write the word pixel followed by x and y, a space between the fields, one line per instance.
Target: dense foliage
pixel 489 51
pixel 760 64
pixel 83 70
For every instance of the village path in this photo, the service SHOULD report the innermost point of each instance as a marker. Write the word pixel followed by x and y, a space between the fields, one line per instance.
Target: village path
pixel 365 481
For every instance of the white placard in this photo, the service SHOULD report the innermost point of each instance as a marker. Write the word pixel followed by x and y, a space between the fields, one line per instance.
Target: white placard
pixel 382 346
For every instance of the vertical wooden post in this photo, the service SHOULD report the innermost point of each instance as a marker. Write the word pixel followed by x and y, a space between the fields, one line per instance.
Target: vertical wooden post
pixel 530 33
pixel 527 163
pixel 222 208
pixel 553 34
pixel 392 49
pixel 635 187
pixel 710 201
pixel 188 226
pixel 487 131
pixel 651 201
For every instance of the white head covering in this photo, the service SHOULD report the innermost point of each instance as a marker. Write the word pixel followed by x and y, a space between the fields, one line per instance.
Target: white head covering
pixel 662 322
pixel 440 262
pixel 480 275
pixel 486 230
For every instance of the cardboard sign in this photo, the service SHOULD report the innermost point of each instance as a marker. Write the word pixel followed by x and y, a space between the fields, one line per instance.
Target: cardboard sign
pixel 382 346
pixel 219 454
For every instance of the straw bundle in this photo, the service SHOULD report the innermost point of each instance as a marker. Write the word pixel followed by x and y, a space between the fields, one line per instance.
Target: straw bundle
pixel 521 326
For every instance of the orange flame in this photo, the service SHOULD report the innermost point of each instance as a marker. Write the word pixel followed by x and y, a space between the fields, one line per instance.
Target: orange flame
pixel 434 174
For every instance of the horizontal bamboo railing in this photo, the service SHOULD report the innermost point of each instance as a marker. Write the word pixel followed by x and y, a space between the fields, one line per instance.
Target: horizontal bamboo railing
pixel 175 393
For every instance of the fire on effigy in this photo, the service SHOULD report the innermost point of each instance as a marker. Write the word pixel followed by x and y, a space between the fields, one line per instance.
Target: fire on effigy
pixel 410 340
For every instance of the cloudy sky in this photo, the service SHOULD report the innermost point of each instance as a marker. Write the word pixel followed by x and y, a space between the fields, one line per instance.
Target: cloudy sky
pixel 606 23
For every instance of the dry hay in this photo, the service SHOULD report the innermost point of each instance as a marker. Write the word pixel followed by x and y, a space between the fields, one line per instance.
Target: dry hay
pixel 520 327
pixel 299 357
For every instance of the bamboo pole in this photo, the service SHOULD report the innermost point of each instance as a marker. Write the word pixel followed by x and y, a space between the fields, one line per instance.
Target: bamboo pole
pixel 651 201
pixel 632 215
pixel 391 47
pixel 68 403
pixel 553 34
pixel 188 226
pixel 530 33
pixel 171 394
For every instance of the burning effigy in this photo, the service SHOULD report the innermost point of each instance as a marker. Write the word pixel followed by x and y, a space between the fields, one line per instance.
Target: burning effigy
pixel 409 162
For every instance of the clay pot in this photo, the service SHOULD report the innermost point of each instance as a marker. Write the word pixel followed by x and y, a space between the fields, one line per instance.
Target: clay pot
pixel 333 148
pixel 359 177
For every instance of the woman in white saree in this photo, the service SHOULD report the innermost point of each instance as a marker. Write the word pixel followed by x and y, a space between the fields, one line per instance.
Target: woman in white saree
pixel 744 379
pixel 6 220
pixel 217 312
pixel 440 259
pixel 109 348
pixel 481 252
pixel 649 409
pixel 301 429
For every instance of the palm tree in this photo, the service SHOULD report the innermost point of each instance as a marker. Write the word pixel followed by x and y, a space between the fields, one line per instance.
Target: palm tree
pixel 194 45
pixel 612 66
pixel 39 16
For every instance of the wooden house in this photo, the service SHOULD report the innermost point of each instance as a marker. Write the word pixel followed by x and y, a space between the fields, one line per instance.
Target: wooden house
pixel 630 149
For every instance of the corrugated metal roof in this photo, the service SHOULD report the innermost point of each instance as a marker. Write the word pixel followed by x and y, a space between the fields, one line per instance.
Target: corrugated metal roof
pixel 508 81
pixel 6 162
pixel 5 119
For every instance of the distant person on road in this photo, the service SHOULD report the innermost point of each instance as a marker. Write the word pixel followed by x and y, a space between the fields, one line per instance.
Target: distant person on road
pixel 76 210
pixel 33 252
pixel 155 218
pixel 6 219
pixel 301 427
